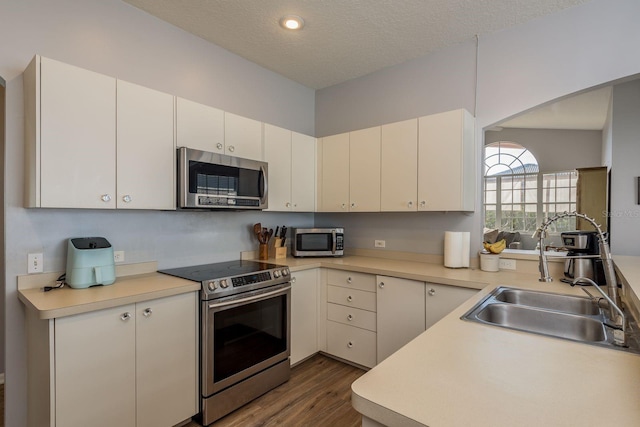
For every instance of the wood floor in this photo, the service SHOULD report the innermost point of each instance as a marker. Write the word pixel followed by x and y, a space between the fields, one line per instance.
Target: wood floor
pixel 318 394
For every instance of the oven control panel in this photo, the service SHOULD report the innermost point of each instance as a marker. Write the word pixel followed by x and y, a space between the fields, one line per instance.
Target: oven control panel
pixel 246 282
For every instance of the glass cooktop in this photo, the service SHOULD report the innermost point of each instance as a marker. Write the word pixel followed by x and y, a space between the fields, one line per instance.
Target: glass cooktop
pixel 204 272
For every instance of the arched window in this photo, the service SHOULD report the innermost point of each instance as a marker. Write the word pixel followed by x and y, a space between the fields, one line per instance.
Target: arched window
pixel 517 197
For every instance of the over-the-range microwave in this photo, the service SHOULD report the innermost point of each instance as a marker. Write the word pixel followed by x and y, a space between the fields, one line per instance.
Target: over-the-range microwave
pixel 217 181
pixel 316 242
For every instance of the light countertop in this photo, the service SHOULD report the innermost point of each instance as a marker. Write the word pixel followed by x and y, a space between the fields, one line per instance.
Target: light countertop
pixel 460 373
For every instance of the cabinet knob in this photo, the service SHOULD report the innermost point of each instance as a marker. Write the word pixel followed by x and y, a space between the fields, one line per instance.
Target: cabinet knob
pixel 105 198
pixel 232 148
pixel 349 318
pixel 349 298
pixel 147 312
pixel 410 204
pixel 343 206
pixel 293 279
pixel 288 205
pixel 349 344
pixel 295 205
pixel 125 316
pixel 381 285
pixel 432 292
pixel 423 203
pixel 219 146
pixel 353 205
pixel 126 198
pixel 349 279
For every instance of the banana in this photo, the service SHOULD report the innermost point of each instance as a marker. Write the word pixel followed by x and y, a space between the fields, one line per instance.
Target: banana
pixel 497 247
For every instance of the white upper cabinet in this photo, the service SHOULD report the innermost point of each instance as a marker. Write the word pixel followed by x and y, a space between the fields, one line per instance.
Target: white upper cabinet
pixel 447 169
pixel 334 180
pixel 70 132
pixel 199 126
pixel 364 170
pixel 291 159
pixel 399 171
pixel 277 149
pixel 303 172
pixel 145 148
pixel 242 137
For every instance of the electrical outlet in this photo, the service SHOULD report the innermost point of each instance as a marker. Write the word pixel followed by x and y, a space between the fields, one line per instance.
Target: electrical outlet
pixel 35 263
pixel 379 243
pixel 507 264
pixel 118 256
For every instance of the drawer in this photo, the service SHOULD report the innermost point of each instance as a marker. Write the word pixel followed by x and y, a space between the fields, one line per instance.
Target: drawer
pixel 350 343
pixel 352 316
pixel 351 297
pixel 362 281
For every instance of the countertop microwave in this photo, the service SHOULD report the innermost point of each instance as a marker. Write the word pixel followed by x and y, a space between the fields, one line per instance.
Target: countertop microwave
pixel 217 181
pixel 317 242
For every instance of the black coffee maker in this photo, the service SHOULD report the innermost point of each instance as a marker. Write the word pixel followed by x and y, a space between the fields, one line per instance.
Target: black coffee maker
pixel 582 244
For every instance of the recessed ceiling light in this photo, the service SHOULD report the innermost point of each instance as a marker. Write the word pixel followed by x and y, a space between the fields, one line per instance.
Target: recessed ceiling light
pixel 292 22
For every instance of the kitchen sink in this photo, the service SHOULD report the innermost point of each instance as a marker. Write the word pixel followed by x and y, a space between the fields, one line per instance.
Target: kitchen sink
pixel 567 317
pixel 562 325
pixel 565 303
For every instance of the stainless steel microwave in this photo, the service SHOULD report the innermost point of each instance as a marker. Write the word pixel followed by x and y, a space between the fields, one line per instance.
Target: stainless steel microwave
pixel 217 181
pixel 316 242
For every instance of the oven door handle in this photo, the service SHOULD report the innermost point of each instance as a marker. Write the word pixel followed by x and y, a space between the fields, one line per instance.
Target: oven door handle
pixel 249 299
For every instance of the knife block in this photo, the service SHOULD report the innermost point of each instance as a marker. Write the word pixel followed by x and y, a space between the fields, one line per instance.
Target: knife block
pixel 277 250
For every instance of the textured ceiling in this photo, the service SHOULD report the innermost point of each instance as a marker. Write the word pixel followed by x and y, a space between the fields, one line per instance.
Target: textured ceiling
pixel 343 39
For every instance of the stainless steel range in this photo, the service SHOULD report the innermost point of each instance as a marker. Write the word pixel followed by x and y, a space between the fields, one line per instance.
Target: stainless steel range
pixel 244 332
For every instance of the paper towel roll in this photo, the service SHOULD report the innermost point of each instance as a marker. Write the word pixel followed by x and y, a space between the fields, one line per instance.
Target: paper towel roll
pixel 456 249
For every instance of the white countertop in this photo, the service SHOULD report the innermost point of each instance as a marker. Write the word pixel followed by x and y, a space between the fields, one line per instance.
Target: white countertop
pixel 460 373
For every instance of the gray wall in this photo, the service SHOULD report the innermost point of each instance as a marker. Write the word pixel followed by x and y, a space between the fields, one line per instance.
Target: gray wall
pixel 113 38
pixel 555 149
pixel 625 211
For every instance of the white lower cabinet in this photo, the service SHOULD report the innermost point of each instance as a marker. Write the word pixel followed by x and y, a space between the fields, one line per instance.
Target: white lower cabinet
pixel 304 314
pixel 443 299
pixel 401 313
pixel 132 365
pixel 351 316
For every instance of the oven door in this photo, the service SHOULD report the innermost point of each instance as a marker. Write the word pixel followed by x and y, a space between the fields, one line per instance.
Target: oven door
pixel 244 334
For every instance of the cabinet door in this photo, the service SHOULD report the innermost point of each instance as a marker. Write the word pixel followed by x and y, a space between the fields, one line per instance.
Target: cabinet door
pixel 277 149
pixel 304 314
pixel 303 172
pixel 446 162
pixel 95 368
pixel 242 137
pixel 335 173
pixel 401 313
pixel 166 360
pixel 364 170
pixel 399 172
pixel 145 148
pixel 442 299
pixel 77 137
pixel 199 126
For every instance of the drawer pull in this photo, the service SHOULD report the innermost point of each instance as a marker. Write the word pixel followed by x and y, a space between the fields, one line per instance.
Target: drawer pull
pixel 349 279
pixel 432 292
pixel 381 285
pixel 349 298
pixel 349 318
pixel 147 312
pixel 350 344
pixel 125 316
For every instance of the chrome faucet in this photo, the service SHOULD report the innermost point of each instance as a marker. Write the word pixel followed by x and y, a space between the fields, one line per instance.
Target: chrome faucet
pixel 619 320
pixel 605 255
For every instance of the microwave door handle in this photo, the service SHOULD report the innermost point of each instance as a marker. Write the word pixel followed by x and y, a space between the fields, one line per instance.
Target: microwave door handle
pixel 334 241
pixel 263 183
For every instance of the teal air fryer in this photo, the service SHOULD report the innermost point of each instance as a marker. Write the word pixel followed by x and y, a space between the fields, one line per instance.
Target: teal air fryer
pixel 90 262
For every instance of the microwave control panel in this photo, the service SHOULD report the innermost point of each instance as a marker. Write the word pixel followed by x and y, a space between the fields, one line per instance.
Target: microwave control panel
pixel 340 242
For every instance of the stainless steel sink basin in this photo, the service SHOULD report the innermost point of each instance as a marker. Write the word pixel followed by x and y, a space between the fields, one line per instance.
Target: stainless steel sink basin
pixel 557 302
pixel 568 317
pixel 562 325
